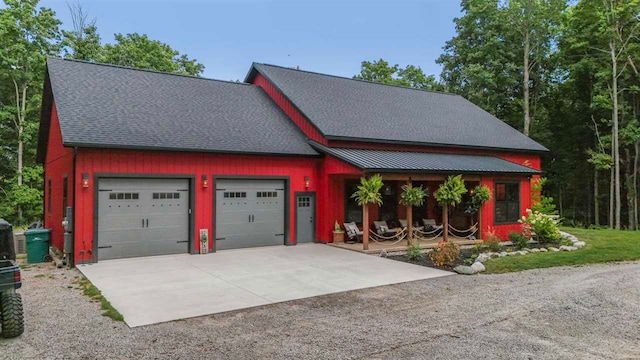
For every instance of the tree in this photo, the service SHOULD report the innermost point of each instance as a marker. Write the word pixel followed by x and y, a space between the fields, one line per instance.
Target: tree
pixel 449 194
pixel 410 197
pixel 479 195
pixel 368 193
pixel 536 24
pixel 135 50
pixel 411 76
pixel 27 36
pixel 82 42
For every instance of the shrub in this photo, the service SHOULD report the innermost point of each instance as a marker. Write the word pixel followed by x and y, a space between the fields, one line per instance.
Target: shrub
pixel 519 240
pixel 445 253
pixel 414 252
pixel 544 227
pixel 492 243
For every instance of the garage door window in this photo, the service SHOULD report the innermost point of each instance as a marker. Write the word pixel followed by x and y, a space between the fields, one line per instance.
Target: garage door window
pixel 124 196
pixel 235 194
pixel 266 194
pixel 164 195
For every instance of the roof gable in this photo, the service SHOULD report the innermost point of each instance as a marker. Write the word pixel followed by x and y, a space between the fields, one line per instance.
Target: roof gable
pixel 349 109
pixel 116 107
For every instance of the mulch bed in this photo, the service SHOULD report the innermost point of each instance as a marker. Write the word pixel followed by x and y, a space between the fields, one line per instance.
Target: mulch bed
pixel 426 261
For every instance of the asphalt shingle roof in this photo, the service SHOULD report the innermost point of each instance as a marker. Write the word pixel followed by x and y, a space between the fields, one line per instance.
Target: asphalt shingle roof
pixel 347 108
pixel 115 107
pixel 391 161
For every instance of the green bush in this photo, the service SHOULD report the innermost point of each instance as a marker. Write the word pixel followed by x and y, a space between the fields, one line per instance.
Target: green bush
pixel 492 243
pixel 414 252
pixel 543 227
pixel 519 240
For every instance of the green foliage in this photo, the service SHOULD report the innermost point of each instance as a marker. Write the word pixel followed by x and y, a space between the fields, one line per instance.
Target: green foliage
pixel 411 76
pixel 28 196
pixel 450 192
pixel 414 252
pixel 369 191
pixel 540 203
pixel 92 292
pixel 412 196
pixel 544 227
pixel 445 253
pixel 519 240
pixel 602 246
pixel 135 50
pixel 492 243
pixel 481 194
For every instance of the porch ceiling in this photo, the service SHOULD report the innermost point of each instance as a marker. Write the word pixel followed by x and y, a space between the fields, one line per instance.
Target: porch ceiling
pixel 404 161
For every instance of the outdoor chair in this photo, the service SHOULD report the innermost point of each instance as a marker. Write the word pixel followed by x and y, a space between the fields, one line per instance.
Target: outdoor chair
pixel 382 232
pixel 430 224
pixel 353 233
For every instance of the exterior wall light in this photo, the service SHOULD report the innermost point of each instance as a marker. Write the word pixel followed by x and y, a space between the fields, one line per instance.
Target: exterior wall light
pixel 306 182
pixel 205 182
pixel 85 180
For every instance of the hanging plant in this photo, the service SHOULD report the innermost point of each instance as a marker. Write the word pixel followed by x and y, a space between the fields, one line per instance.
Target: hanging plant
pixel 449 194
pixel 368 193
pixel 410 197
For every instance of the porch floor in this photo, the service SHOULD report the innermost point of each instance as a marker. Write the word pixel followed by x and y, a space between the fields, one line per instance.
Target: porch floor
pixel 389 246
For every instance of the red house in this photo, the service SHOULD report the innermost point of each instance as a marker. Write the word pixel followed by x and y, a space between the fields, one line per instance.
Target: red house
pixel 152 163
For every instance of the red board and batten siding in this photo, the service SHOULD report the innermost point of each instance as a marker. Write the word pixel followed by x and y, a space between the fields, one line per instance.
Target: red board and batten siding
pixel 296 116
pixel 123 162
pixel 58 163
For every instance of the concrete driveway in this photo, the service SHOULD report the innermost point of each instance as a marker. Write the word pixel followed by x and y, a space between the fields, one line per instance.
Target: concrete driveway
pixel 156 289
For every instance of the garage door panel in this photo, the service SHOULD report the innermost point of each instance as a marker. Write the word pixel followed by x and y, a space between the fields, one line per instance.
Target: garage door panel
pixel 249 213
pixel 151 218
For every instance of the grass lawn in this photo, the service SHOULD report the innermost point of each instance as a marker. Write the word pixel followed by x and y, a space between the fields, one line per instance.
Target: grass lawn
pixel 602 246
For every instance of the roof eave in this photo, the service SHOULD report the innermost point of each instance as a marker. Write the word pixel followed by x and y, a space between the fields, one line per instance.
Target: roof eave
pixel 431 144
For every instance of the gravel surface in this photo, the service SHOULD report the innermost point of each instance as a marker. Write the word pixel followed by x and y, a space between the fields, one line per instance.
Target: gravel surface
pixel 560 313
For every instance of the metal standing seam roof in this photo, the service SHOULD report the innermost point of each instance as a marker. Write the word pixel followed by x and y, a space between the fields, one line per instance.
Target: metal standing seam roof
pixel 348 109
pixel 392 161
pixel 109 106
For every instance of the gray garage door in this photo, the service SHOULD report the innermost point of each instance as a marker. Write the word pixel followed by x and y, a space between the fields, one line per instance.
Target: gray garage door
pixel 142 217
pixel 249 213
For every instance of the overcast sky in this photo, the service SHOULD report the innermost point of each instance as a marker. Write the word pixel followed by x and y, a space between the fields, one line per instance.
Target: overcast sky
pixel 331 36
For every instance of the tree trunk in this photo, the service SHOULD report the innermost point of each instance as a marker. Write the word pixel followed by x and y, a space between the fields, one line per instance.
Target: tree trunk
pixel 365 227
pixel 615 136
pixel 445 222
pixel 596 204
pixel 21 104
pixel 611 194
pixel 635 185
pixel 628 179
pixel 525 85
pixel 409 224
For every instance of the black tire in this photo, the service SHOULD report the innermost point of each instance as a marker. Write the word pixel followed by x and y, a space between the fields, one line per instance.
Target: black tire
pixel 11 315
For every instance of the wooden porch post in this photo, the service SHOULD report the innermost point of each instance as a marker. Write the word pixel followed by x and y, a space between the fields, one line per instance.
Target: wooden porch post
pixel 365 227
pixel 445 222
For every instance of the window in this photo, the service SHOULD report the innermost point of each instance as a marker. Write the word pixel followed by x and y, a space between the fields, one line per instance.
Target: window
pixel 49 196
pixel 352 211
pixel 304 201
pixel 507 202
pixel 235 194
pixel 65 194
pixel 163 196
pixel 123 196
pixel 266 194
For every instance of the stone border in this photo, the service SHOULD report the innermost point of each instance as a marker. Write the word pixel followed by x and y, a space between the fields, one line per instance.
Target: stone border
pixel 478 265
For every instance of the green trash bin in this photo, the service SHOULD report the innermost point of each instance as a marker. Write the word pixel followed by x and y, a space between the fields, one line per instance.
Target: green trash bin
pixel 37 244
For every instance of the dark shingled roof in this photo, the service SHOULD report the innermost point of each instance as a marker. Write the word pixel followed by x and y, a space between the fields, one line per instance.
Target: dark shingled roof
pixel 343 108
pixel 392 161
pixel 116 107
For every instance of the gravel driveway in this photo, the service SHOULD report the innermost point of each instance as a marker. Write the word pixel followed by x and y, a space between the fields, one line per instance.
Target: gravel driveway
pixel 575 312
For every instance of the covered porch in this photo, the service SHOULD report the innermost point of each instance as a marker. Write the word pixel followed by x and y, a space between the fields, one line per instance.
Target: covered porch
pixel 509 183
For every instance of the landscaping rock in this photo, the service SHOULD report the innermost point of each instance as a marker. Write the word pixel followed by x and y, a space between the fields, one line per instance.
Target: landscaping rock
pixel 477 267
pixel 543 250
pixel 383 253
pixel 503 254
pixel 535 250
pixel 567 248
pixel 483 257
pixel 513 253
pixel 495 255
pixel 464 270
pixel 522 252
pixel 526 249
pixel 579 244
pixel 554 249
